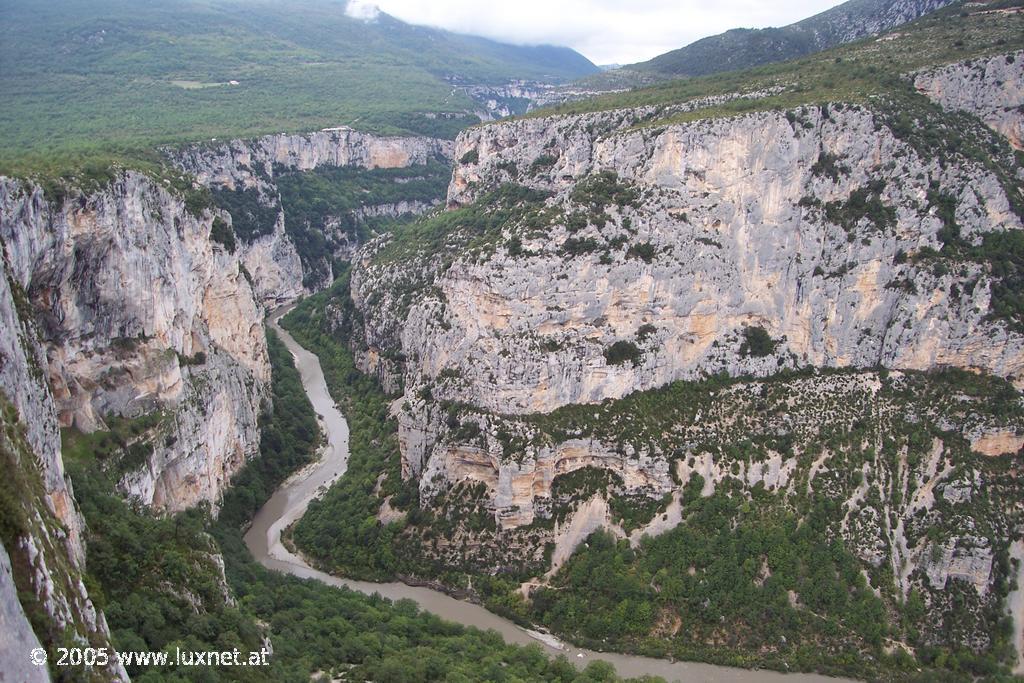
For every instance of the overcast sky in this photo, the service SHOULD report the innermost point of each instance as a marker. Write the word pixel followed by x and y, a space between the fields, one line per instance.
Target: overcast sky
pixel 606 31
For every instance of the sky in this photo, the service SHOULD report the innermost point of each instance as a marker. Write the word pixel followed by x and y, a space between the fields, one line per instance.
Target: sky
pixel 606 31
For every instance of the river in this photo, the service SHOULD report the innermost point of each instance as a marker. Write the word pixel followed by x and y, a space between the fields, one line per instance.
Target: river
pixel 289 502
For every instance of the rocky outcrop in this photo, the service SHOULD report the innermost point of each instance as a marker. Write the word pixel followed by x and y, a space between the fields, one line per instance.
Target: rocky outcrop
pixel 41 549
pixel 819 231
pixel 1000 442
pixel 17 639
pixel 242 163
pixel 923 514
pixel 519 97
pixel 23 373
pixel 968 86
pixel 737 223
pixel 141 313
pixel 250 166
pixel 395 209
pixel 274 264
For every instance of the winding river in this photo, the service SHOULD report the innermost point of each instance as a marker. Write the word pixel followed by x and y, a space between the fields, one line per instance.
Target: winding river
pixel 289 502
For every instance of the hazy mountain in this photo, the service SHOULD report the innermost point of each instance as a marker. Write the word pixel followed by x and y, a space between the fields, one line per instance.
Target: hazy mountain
pixel 77 73
pixel 740 48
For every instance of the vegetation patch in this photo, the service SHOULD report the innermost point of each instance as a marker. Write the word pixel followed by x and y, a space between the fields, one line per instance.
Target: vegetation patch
pixel 222 234
pixel 604 189
pixel 251 218
pixel 757 342
pixel 323 207
pixel 622 352
pixel 467 228
pixel 124 446
pixel 865 202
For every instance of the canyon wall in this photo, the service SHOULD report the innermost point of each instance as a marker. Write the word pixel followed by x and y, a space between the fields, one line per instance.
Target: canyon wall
pixel 43 600
pixel 817 277
pixel 249 166
pixel 734 224
pixel 823 238
pixel 142 314
pixel 991 88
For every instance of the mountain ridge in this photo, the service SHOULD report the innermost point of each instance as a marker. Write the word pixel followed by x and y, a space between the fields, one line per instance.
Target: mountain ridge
pixel 740 48
pixel 108 76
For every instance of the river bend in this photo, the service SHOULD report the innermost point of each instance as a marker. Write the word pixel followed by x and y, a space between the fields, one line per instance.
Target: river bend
pixel 290 501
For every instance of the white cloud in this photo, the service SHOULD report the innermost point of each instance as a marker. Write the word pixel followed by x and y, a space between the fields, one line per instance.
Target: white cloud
pixel 606 31
pixel 362 10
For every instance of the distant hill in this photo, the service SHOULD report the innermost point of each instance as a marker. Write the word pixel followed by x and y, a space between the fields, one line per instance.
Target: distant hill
pixel 742 48
pixel 78 75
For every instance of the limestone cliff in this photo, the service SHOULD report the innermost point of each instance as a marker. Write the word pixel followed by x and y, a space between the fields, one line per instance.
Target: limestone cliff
pixel 142 314
pixel 817 230
pixel 629 255
pixel 43 600
pixel 968 86
pixel 247 168
pixel 245 163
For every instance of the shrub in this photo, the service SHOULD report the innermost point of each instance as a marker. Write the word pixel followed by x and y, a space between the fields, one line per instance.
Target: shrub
pixel 622 351
pixel 222 233
pixel 644 251
pixel 604 189
pixel 576 247
pixel 756 342
pixel 645 331
pixel 828 166
pixel 544 161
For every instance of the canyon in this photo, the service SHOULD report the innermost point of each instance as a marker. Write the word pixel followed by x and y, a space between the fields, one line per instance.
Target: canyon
pixel 607 321
pixel 119 308
pixel 816 242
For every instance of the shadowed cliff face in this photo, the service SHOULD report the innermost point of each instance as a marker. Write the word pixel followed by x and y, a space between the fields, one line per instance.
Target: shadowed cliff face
pixel 42 597
pixel 141 313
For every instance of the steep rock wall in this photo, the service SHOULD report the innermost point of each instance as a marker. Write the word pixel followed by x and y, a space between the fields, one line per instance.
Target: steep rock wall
pixel 968 86
pixel 43 601
pixel 141 312
pixel 245 163
pixel 817 226
pixel 732 212
pixel 250 165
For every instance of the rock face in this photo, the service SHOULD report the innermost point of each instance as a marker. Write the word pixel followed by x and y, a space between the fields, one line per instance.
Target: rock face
pixel 734 224
pixel 518 97
pixel 968 86
pixel 140 312
pixel 849 24
pixel 41 561
pixel 250 166
pixel 731 214
pixel 17 637
pixel 639 255
pixel 245 163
